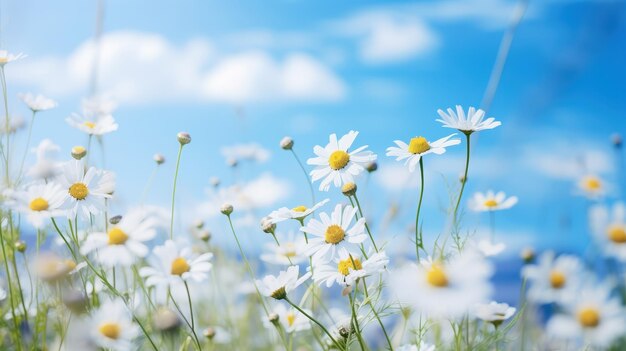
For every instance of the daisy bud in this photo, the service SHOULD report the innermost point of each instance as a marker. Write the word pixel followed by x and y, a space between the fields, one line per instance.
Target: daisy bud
pixel 115 219
pixel 462 179
pixel 209 333
pixel 215 181
pixel 348 189
pixel 78 152
pixel 75 300
pixel 372 166
pixel 232 162
pixel 617 141
pixel 183 138
pixel 165 320
pixel 20 246
pixel 267 226
pixel 226 209
pixel 273 317
pixel 159 159
pixel 528 255
pixel 204 235
pixel 286 143
pixel 199 224
pixel 345 330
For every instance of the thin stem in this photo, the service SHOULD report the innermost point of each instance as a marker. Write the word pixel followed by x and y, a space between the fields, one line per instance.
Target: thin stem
pixel 359 337
pixel 190 325
pixel 306 175
pixel 30 132
pixel 376 315
pixel 180 151
pixel 464 180
pixel 367 227
pixel 6 267
pixel 316 322
pixel 418 236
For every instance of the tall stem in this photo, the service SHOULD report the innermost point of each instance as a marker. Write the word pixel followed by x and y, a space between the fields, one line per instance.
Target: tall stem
pixel 464 180
pixel 355 319
pixel 376 315
pixel 316 322
pixel 367 227
pixel 180 151
pixel 418 236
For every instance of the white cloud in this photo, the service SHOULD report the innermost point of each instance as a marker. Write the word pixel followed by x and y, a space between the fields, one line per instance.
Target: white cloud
pixel 567 161
pixel 144 67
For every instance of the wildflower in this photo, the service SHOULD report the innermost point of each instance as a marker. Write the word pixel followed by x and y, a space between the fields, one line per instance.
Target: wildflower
pixel 112 327
pixel 51 268
pixel 78 152
pixel 286 281
pixel 493 312
pixel 444 289
pixel 372 167
pixel 159 159
pixel 98 125
pixel 592 187
pixel 165 320
pixel 491 201
pixel 417 147
pixel 87 190
pixel 527 255
pixel 336 164
pixel 40 202
pixel 593 317
pixel 553 280
pixel 347 269
pixel 123 243
pixel 37 103
pixel 6 57
pixel 267 225
pixel 299 212
pixel 291 319
pixel 290 251
pixel 349 189
pixel 209 333
pixel 473 123
pixel 20 246
pixel 609 228
pixel 334 232
pixel 183 138
pixel 172 265
pixel 226 209
pixel 286 143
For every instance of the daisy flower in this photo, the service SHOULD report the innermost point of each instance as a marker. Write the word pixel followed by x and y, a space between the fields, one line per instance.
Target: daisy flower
pixel 112 327
pixel 38 103
pixel 493 312
pixel 51 268
pixel 593 317
pixel 122 243
pixel 171 265
pixel 609 228
pixel 413 347
pixel 87 191
pixel 417 147
pixel 444 289
pixel 489 248
pixel 6 57
pixel 98 125
pixel 347 268
pixel 291 319
pixel 553 280
pixel 278 287
pixel 592 187
pixel 472 123
pixel 40 202
pixel 298 213
pixel 491 201
pixel 289 252
pixel 334 232
pixel 336 164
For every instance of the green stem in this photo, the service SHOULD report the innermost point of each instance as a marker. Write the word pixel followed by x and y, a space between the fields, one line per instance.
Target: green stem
pixel 190 325
pixel 367 227
pixel 316 322
pixel 464 180
pixel 180 151
pixel 376 315
pixel 418 236
pixel 16 331
pixel 356 321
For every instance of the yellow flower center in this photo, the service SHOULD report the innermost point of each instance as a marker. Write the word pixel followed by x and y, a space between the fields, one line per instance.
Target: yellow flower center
pixel 344 265
pixel 89 125
pixel 617 234
pixel 338 160
pixel 3 60
pixel 334 234
pixel 290 250
pixel 39 204
pixel 589 317
pixel 117 236
pixel 557 279
pixel 70 265
pixel 418 145
pixel 180 266
pixel 437 277
pixel 491 203
pixel 592 183
pixel 110 330
pixel 79 191
pixel 299 209
pixel 291 318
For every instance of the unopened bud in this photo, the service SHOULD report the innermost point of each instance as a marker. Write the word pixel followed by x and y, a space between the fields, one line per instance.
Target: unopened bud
pixel 226 209
pixel 528 255
pixel 165 320
pixel 20 246
pixel 204 235
pixel 215 181
pixel 75 300
pixel 209 333
pixel 617 141
pixel 267 226
pixel 372 166
pixel 115 219
pixel 348 189
pixel 183 138
pixel 286 143
pixel 78 152
pixel 159 159
pixel 273 317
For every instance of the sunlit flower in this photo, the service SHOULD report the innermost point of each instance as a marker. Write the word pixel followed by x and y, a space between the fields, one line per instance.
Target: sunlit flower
pixel 6 57
pixel 609 229
pixel 291 319
pixel 593 318
pixel 40 202
pixel 96 125
pixel 290 251
pixel 299 212
pixel 444 289
pixel 474 121
pixel 412 347
pixel 38 103
pixel 334 232
pixel 491 201
pixel 50 267
pixel 286 281
pixel 345 269
pixel 553 280
pixel 417 147
pixel 336 164
pixel 171 265
pixel 592 186
pixel 123 243
pixel 112 327
pixel 45 167
pixel 87 190
pixel 494 312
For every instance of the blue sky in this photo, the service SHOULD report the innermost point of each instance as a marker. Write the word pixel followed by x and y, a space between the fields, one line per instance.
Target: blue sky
pixel 250 71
